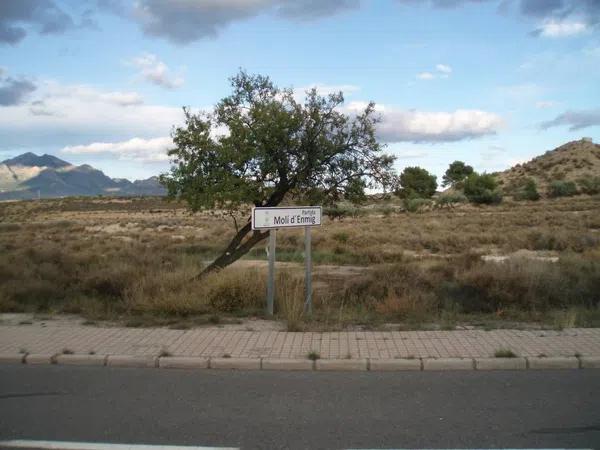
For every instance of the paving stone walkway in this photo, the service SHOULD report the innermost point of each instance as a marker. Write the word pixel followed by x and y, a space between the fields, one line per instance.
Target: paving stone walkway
pixel 216 342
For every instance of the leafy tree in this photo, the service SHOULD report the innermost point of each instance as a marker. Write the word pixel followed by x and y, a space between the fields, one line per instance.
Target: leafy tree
pixel 417 182
pixel 260 145
pixel 456 173
pixel 482 189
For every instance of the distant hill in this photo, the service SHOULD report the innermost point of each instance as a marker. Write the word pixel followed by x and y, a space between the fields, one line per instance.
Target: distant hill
pixel 28 176
pixel 570 162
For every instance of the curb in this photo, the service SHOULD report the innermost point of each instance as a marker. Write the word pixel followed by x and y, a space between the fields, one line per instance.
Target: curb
pixel 15 358
pixel 236 363
pixel 500 363
pixel 388 365
pixel 132 361
pixel 303 364
pixel 553 362
pixel 345 365
pixel 82 360
pixel 449 364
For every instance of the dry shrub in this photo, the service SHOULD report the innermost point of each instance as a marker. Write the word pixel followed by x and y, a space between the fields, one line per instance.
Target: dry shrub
pixel 234 289
pixel 290 297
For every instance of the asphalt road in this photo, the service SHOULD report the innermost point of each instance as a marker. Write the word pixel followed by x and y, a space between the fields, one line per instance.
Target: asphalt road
pixel 272 410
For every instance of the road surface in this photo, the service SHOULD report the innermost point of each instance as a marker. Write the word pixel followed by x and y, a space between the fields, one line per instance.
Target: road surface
pixel 298 410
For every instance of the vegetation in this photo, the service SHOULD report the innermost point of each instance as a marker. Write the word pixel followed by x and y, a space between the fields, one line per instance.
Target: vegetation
pixel 589 185
pixel 274 147
pixel 456 173
pixel 482 189
pixel 562 189
pixel 416 182
pixel 132 260
pixel 528 191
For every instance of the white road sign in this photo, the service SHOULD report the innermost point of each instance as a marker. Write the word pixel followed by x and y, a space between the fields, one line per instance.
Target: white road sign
pixel 286 217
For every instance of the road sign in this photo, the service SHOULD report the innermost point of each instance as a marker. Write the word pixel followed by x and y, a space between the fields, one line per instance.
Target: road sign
pixel 286 217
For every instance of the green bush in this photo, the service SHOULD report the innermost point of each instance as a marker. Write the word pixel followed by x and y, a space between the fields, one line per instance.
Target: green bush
pixel 562 189
pixel 417 182
pixel 415 204
pixel 450 199
pixel 589 185
pixel 528 191
pixel 482 189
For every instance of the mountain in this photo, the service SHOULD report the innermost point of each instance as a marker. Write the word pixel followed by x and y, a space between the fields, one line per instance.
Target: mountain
pixel 572 161
pixel 30 176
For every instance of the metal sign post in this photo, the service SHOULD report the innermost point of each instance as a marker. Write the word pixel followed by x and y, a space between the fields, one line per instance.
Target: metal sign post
pixel 287 217
pixel 308 271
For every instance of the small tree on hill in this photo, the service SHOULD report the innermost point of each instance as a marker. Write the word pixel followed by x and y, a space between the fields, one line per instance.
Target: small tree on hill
pixel 482 189
pixel 417 182
pixel 260 145
pixel 456 173
pixel 528 191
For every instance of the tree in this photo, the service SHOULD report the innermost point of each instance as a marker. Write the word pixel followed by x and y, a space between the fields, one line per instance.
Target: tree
pixel 528 191
pixel 482 189
pixel 417 182
pixel 260 145
pixel 456 173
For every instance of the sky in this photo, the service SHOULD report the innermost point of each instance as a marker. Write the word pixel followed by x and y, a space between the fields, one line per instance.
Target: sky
pixel 489 82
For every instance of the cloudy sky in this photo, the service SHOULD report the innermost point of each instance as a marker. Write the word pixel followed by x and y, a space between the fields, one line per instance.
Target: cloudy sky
pixel 490 82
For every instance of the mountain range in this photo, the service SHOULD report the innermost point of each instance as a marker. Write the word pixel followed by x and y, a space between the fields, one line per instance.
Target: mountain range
pixel 30 176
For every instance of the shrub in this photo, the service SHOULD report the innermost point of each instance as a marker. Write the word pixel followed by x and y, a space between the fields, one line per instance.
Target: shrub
pixel 528 191
pixel 415 204
pixel 450 199
pixel 589 185
pixel 562 189
pixel 482 189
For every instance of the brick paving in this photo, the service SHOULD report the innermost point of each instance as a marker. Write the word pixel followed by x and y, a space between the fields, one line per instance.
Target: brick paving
pixel 216 342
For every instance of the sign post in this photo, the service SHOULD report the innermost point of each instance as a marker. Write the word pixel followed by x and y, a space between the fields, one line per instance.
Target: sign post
pixel 287 217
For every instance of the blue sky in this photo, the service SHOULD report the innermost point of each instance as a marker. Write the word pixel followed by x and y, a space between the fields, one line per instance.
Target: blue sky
pixel 490 82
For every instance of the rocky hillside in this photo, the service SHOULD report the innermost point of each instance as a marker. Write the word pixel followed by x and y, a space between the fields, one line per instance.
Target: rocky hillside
pixel 569 162
pixel 28 176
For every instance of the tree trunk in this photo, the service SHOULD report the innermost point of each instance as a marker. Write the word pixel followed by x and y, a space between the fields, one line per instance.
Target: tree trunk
pixel 236 249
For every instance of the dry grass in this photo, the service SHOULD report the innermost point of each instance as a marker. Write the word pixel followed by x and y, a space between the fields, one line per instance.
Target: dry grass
pixel 138 257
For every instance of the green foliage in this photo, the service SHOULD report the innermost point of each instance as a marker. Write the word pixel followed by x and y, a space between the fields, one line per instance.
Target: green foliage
pixel 450 199
pixel 560 188
pixel 273 146
pixel 528 191
pixel 482 189
pixel 415 204
pixel 456 173
pixel 589 185
pixel 417 182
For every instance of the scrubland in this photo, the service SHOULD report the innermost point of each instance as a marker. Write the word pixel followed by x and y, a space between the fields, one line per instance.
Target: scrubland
pixel 377 266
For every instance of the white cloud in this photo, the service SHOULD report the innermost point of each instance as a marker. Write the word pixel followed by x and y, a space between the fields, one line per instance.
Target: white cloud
pixel 425 76
pixel 325 89
pixel 155 71
pixel 69 114
pixel 399 125
pixel 136 149
pixel 443 68
pixel 558 29
pixel 545 104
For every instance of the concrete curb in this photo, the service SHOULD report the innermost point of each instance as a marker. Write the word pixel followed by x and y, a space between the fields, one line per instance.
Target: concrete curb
pixel 16 358
pixel 448 364
pixel 287 364
pixel 500 363
pixel 590 362
pixel 182 362
pixel 388 365
pixel 235 363
pixel 82 360
pixel 553 362
pixel 132 361
pixel 344 365
pixel 39 358
pixel 341 364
